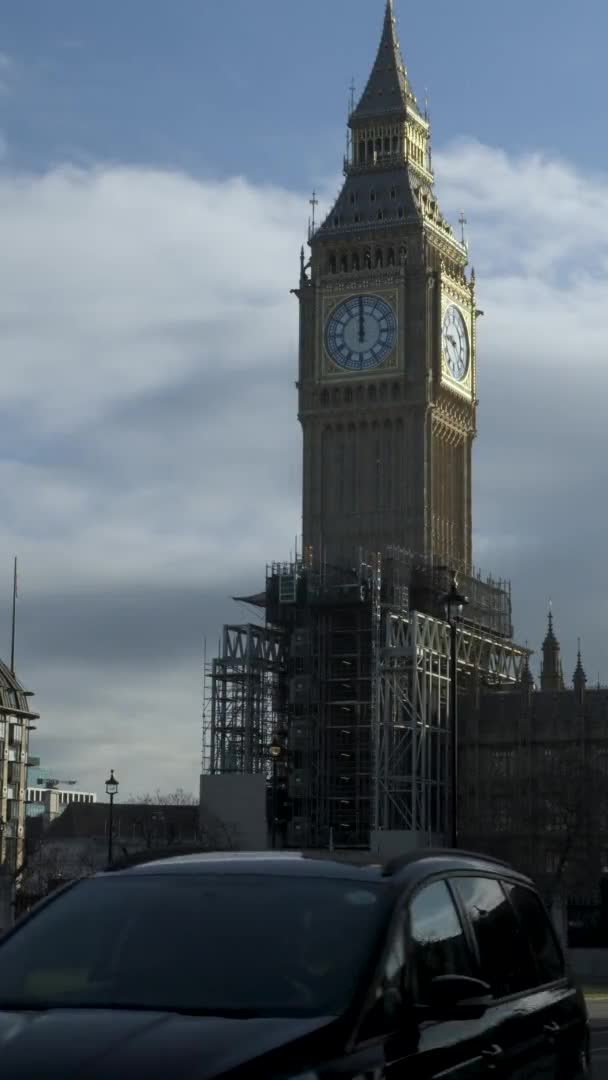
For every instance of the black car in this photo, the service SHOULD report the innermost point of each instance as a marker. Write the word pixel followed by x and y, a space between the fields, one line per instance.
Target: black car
pixel 284 967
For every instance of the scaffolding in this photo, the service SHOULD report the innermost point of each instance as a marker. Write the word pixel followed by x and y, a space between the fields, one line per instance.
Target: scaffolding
pixel 413 721
pixel 242 700
pixel 356 671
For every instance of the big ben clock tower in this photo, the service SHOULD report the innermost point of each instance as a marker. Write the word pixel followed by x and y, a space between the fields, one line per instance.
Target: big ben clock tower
pixel 387 345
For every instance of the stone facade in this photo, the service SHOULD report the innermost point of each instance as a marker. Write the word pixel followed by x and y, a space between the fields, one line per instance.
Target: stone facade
pixel 387 429
pixel 534 777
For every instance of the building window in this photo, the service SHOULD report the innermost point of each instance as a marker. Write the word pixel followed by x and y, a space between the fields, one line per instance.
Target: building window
pixel 372 196
pixel 379 259
pixel 332 264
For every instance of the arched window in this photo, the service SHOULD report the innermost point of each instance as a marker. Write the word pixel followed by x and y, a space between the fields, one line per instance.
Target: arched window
pixel 343 264
pixel 395 144
pixel 401 211
pixel 396 391
pixel 393 193
pixel 387 145
pixel 403 254
pixel 379 259
pixel 371 394
pixel 370 150
pixel 361 151
pixel 379 147
pixel 380 215
pixel 391 256
pixel 356 261
pixel 368 260
pixel 332 264
pixel 348 395
pixel 325 397
pixel 372 196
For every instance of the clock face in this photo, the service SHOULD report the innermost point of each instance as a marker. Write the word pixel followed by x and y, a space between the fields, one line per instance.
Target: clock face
pixel 455 343
pixel 360 333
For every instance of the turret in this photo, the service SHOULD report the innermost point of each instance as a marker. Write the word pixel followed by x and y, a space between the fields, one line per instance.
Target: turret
pixel 579 679
pixel 551 675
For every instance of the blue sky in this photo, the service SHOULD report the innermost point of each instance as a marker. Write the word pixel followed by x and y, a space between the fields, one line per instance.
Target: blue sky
pixel 155 165
pixel 261 88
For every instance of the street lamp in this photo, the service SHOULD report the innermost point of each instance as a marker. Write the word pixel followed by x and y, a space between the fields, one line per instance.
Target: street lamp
pixel 454 604
pixel 275 752
pixel 112 790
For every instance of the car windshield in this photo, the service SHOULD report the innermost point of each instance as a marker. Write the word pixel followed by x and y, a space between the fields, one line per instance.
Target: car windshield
pixel 232 944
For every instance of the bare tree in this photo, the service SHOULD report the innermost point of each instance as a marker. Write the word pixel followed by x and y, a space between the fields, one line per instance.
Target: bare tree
pixel 179 797
pixel 541 804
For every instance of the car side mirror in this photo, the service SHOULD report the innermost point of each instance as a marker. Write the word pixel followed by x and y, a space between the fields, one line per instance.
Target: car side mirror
pixel 385 1015
pixel 459 996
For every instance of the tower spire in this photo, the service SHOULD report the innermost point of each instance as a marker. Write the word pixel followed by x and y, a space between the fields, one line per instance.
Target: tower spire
pixel 551 675
pixel 388 89
pixel 580 679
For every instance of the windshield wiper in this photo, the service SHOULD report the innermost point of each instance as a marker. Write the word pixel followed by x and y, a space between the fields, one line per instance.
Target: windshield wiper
pixel 46 1006
pixel 24 1006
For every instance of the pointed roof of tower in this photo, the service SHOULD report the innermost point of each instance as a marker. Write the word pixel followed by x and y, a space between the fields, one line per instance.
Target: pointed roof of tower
pixel 388 90
pixel 579 672
pixel 550 638
pixel 526 675
pixel 552 677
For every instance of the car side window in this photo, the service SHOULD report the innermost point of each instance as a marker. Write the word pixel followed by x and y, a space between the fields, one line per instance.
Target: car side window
pixel 505 960
pixel 383 1013
pixel 438 942
pixel 538 931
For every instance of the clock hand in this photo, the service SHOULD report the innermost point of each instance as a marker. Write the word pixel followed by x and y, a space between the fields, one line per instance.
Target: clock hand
pixel 361 321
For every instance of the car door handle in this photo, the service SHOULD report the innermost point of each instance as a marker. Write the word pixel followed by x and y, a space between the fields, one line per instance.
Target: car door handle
pixel 552 1030
pixel 491 1054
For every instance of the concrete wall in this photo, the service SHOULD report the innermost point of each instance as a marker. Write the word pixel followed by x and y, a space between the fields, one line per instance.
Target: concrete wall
pixel 233 806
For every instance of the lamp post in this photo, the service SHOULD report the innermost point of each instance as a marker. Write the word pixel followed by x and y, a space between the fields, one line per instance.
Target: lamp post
pixel 454 603
pixel 111 789
pixel 275 753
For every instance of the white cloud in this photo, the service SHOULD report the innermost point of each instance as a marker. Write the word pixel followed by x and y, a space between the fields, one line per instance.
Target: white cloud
pixel 149 445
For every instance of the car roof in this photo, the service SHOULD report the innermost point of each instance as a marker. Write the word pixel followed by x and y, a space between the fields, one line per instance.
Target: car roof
pixel 268 863
pixel 407 869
